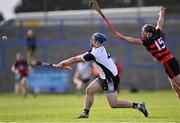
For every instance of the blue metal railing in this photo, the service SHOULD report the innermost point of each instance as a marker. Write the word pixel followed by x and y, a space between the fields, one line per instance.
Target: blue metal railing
pixel 45 44
pixel 63 41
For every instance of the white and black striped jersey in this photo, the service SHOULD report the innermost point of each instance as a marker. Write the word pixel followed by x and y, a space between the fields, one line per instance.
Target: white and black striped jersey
pixel 103 61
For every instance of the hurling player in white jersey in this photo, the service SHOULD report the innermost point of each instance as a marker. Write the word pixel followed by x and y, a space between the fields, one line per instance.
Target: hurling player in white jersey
pixel 108 80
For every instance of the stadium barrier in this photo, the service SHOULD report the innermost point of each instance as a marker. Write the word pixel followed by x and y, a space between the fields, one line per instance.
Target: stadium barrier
pixel 70 40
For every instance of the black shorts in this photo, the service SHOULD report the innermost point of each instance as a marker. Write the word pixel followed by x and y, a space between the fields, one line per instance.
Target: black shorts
pixel 172 68
pixel 109 86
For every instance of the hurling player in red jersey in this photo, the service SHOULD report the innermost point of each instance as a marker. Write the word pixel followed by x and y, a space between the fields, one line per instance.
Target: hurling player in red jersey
pixel 152 39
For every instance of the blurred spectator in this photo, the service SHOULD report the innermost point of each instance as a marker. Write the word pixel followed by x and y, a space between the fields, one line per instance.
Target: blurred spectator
pixel 82 76
pixel 21 69
pixel 31 44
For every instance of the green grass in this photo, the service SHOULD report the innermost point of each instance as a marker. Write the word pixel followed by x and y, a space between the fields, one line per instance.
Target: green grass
pixel 163 106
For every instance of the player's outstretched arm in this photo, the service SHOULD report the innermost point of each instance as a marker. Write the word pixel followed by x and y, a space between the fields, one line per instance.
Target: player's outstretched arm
pixel 128 39
pixel 160 21
pixel 67 63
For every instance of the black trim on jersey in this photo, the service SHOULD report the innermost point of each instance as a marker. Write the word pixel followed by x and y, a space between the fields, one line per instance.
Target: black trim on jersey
pixel 107 72
pixel 161 57
pixel 160 51
pixel 89 57
pixel 108 54
pixel 148 48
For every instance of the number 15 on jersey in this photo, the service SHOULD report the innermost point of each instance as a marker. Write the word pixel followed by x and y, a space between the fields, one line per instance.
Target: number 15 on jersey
pixel 160 44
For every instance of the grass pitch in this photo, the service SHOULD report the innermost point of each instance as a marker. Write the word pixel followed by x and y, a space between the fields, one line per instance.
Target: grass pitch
pixel 163 106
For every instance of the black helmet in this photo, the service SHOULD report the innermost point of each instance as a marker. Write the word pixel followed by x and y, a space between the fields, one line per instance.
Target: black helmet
pixel 149 28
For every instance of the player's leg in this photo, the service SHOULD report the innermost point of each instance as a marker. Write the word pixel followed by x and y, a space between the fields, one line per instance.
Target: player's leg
pixel 175 86
pixel 28 88
pixel 173 71
pixel 18 84
pixel 24 86
pixel 29 54
pixel 21 84
pixel 85 84
pixel 17 87
pixel 20 89
pixel 176 80
pixel 114 103
pixel 89 98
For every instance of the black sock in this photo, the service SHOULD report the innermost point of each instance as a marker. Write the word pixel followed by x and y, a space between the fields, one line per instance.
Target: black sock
pixel 135 105
pixel 86 111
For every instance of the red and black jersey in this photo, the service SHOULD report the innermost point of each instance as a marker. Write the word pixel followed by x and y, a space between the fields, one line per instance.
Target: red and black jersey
pixel 155 45
pixel 22 67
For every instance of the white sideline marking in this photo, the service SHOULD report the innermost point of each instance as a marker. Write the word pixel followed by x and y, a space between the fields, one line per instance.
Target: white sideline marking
pixel 88 122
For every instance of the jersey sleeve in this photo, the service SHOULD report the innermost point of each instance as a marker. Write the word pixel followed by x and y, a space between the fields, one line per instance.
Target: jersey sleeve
pixel 92 55
pixel 88 57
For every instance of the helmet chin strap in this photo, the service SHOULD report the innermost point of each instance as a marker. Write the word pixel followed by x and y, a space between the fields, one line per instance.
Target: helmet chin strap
pixel 98 44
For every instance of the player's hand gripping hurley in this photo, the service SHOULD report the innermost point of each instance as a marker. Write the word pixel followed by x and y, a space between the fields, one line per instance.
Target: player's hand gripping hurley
pixel 34 62
pixel 94 5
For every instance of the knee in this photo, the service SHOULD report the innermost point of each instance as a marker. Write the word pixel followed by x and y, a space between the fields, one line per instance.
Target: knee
pixel 88 91
pixel 178 95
